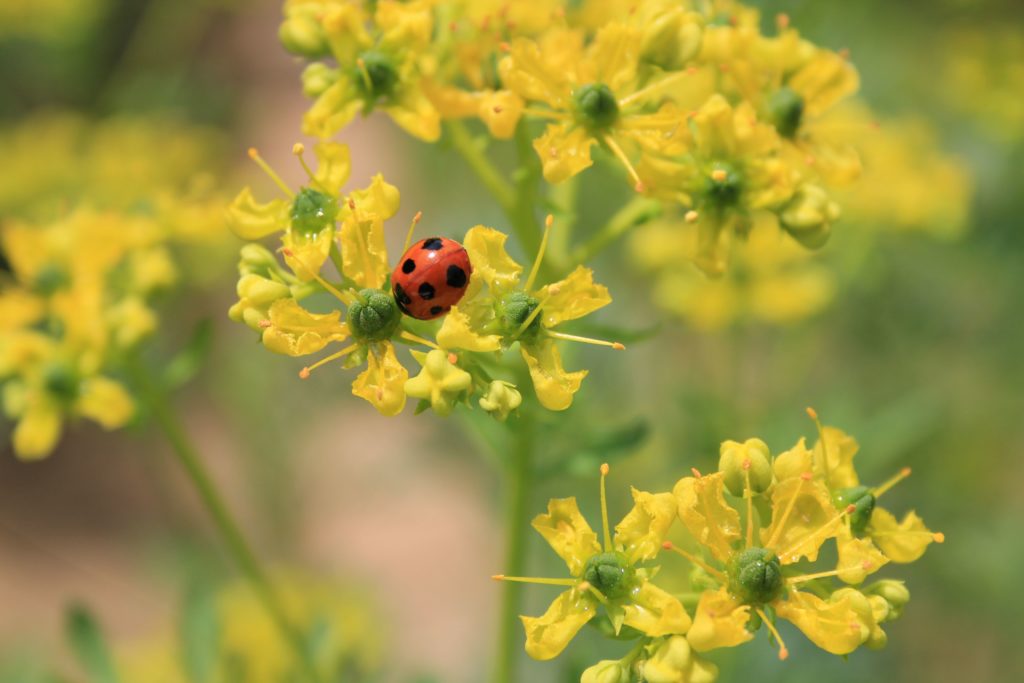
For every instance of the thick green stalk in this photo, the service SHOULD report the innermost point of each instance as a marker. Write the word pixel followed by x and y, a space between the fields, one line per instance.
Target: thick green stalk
pixel 475 158
pixel 227 528
pixel 517 498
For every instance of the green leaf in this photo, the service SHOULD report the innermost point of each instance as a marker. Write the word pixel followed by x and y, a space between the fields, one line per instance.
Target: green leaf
pixel 200 636
pixel 187 363
pixel 89 645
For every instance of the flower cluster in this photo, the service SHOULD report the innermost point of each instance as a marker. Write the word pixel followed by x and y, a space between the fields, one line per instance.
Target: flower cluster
pixel 696 106
pixel 754 530
pixel 92 234
pixel 495 310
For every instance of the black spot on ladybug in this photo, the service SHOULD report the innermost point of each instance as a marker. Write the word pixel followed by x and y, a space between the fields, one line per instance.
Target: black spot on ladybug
pixel 408 266
pixel 401 297
pixel 426 291
pixel 455 277
pixel 436 310
pixel 432 243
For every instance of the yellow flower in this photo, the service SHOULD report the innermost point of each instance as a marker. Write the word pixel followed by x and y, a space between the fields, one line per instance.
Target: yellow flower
pixel 592 94
pixel 872 535
pixel 440 384
pixel 608 575
pixel 672 660
pixel 750 568
pixel 501 399
pixel 497 311
pixel 306 219
pixel 732 170
pixel 377 60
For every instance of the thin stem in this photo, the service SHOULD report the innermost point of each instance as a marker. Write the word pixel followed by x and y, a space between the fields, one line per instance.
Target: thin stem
pixel 489 175
pixel 228 529
pixel 518 475
pixel 636 212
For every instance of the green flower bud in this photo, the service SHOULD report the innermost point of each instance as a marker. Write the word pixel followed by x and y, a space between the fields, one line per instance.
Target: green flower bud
pixel 606 671
pixel 893 592
pixel 501 399
pixel 671 39
pixel 376 75
pixel 316 78
pixel 513 310
pixel 864 504
pixel 808 216
pixel 260 291
pixel 596 106
pixel 303 35
pixel 256 259
pixel 609 573
pixel 375 317
pixel 755 576
pixel 312 211
pixel 737 459
pixel 673 660
pixel 786 111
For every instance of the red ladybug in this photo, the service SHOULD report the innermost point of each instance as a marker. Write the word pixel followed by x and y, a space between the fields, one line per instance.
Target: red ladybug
pixel 431 277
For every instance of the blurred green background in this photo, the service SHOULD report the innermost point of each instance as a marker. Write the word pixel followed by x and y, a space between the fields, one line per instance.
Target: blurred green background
pixel 918 356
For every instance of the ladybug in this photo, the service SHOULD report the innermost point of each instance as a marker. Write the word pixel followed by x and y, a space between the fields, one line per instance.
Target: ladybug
pixel 431 277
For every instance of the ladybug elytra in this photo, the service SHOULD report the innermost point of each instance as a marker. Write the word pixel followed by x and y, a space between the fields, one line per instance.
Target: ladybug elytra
pixel 431 277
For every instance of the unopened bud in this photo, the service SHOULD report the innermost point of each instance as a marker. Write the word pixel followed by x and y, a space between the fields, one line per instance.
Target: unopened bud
pixel 671 39
pixel 740 461
pixel 808 217
pixel 606 671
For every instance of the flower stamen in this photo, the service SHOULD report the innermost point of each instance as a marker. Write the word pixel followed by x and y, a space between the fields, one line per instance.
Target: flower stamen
pixel 813 414
pixel 346 297
pixel 530 579
pixel 255 156
pixel 585 340
pixel 783 652
pixel 548 222
pixel 306 371
pixel 604 510
pixel 412 227
pixel 903 474
pixel 638 184
pixel 718 574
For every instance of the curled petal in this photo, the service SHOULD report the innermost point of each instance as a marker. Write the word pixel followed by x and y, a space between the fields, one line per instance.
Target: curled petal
pixel 251 220
pixel 491 263
pixel 306 255
pixel 720 621
pixel 573 297
pixel 333 110
pixel 500 110
pixel 823 81
pixel 834 460
pixel 527 72
pixel 675 662
pixel 655 611
pixel 364 256
pixel 794 462
pixel 415 114
pixel 547 635
pixel 903 541
pixel 833 626
pixel 614 55
pixel 568 533
pixel 334 166
pixel 643 529
pixel 554 386
pixel 803 518
pixel 383 381
pixel 564 151
pixel 380 199
pixel 461 330
pixel 294 331
pixel 702 508
pixel 858 557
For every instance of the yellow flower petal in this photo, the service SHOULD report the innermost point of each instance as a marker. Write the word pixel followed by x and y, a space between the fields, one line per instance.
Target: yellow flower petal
pixel 834 627
pixel 294 331
pixel 547 635
pixel 903 541
pixel 441 382
pixel 641 532
pixel 554 386
pixel 306 255
pixel 37 431
pixel 802 520
pixel 491 263
pixel 105 401
pixel 568 533
pixel 458 331
pixel 655 612
pixel 858 557
pixel 840 447
pixel 564 151
pixel 533 76
pixel 380 198
pixel 364 256
pixel 675 662
pixel 577 295
pixel 251 220
pixel 614 56
pixel 383 381
pixel 333 109
pixel 415 114
pixel 702 508
pixel 500 110
pixel 334 165
pixel 823 81
pixel 720 621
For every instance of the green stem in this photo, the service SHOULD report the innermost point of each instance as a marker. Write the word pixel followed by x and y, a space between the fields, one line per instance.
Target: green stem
pixel 231 534
pixel 636 212
pixel 519 470
pixel 474 156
